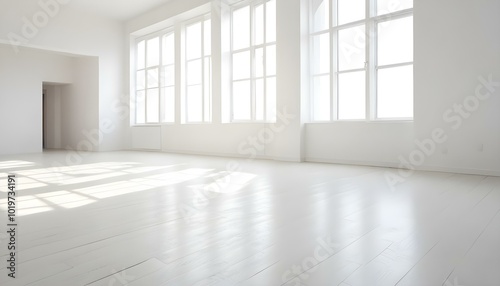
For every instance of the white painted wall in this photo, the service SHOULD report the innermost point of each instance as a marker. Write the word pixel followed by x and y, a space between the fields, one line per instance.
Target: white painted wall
pixel 77 32
pixel 79 106
pixel 21 80
pixel 455 43
pixel 52 116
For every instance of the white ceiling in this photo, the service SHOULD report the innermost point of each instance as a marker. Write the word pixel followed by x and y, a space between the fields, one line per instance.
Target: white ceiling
pixel 117 9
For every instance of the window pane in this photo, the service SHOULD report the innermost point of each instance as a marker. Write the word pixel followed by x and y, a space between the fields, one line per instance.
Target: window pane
pixel 153 54
pixel 169 76
pixel 352 47
pixel 141 55
pixel 259 24
pixel 140 107
pixel 153 78
pixel 140 80
pixel 241 65
pixel 259 62
pixel 208 37
pixel 271 21
pixel 321 102
pixel 168 49
pixel 194 72
pixel 194 104
pixel 321 46
pixel 271 99
pixel 395 41
pixel 153 106
pixel 321 14
pixel 169 105
pixel 242 100
pixel 352 99
pixel 259 99
pixel 389 6
pixel 351 11
pixel 193 41
pixel 271 60
pixel 241 28
pixel 208 90
pixel 395 92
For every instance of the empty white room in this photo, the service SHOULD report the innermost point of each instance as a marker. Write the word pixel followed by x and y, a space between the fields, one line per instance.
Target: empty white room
pixel 250 142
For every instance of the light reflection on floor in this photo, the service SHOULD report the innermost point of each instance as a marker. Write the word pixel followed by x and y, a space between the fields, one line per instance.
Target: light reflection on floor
pixel 82 185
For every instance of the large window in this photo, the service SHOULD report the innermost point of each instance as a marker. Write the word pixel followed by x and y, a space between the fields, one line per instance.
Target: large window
pixel 362 59
pixel 253 51
pixel 155 79
pixel 198 66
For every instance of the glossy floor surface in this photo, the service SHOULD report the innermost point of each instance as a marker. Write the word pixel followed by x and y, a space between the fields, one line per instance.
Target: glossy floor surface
pixel 133 218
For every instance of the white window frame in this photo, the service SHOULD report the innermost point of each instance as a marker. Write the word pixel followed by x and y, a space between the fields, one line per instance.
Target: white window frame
pixel 206 100
pixel 161 84
pixel 268 117
pixel 371 68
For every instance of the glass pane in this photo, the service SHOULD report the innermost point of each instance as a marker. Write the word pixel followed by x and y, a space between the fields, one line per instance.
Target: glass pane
pixel 271 99
pixel 153 106
pixel 169 105
pixel 169 75
pixel 322 98
pixel 168 49
pixel 271 21
pixel 395 92
pixel 321 46
pixel 259 62
pixel 352 99
pixel 389 6
pixel 153 54
pixel 208 90
pixel 259 24
pixel 153 80
pixel 140 80
pixel 259 99
pixel 194 72
pixel 241 65
pixel 352 47
pixel 271 60
pixel 194 104
pixel 242 100
pixel 241 28
pixel 321 14
pixel 395 41
pixel 351 11
pixel 141 55
pixel 193 41
pixel 140 107
pixel 207 37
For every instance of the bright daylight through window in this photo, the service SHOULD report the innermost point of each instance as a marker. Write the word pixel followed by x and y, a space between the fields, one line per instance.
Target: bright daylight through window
pixel 362 59
pixel 253 49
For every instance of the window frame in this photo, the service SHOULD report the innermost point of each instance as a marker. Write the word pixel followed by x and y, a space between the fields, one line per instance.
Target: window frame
pixel 206 106
pixel 371 67
pixel 161 84
pixel 252 48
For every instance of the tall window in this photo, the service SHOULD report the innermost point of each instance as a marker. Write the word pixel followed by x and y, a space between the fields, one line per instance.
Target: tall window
pixel 198 72
pixel 362 59
pixel 253 50
pixel 155 79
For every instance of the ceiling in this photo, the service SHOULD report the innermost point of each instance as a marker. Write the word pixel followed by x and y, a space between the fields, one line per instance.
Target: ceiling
pixel 117 9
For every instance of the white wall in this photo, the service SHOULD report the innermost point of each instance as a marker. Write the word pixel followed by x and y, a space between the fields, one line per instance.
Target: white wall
pixel 455 43
pixel 79 33
pixel 21 80
pixel 79 106
pixel 52 116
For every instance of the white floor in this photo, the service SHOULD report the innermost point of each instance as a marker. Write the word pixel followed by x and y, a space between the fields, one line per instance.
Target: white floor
pixel 132 218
